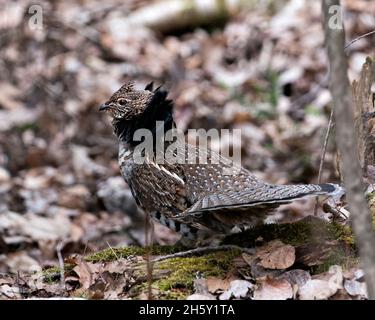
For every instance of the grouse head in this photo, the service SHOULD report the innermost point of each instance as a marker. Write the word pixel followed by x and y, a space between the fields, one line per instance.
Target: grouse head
pixel 132 109
pixel 127 103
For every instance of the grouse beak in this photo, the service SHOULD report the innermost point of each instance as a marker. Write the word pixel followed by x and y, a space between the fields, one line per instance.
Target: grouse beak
pixel 104 107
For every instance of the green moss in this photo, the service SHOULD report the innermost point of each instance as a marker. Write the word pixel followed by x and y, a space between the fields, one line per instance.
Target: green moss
pixel 341 232
pixel 111 254
pixel 174 278
pixel 183 271
pixel 371 201
pixel 52 274
pixel 302 231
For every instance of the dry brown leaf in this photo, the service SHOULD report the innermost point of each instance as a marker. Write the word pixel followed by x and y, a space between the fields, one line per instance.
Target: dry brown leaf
pixel 257 271
pixel 75 197
pixel 216 284
pixel 36 227
pixel 9 95
pixel 87 272
pixel 22 262
pixel 274 289
pixel 276 255
pixel 323 285
pixel 117 266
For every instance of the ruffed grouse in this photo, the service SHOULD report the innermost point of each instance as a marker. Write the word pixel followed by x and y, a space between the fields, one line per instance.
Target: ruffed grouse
pixel 189 198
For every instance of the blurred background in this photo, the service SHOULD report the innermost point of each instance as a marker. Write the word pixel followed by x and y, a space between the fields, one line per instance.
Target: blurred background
pixel 258 66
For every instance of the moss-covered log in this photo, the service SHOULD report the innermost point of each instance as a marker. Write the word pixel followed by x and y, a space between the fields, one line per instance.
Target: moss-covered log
pixel 318 245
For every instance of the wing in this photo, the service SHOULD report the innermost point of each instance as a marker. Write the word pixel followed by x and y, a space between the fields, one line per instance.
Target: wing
pixel 214 188
pixel 264 197
pixel 159 187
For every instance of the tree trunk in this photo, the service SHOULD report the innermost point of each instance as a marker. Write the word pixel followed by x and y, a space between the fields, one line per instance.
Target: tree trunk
pixel 347 141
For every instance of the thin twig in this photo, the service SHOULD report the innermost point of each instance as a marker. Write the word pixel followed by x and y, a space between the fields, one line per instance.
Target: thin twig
pixel 59 247
pixel 148 241
pixel 322 157
pixel 338 212
pixel 359 38
pixel 203 250
pixel 113 251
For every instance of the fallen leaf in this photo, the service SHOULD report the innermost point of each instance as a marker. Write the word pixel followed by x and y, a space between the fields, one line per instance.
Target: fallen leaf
pixel 83 164
pixel 87 272
pixel 216 284
pixel 274 289
pixel 238 289
pixel 322 286
pixel 296 277
pixel 10 292
pixel 257 271
pixel 22 262
pixel 356 288
pixel 116 266
pixel 316 289
pixel 9 96
pixel 276 255
pixel 34 226
pixel 16 117
pixel 75 197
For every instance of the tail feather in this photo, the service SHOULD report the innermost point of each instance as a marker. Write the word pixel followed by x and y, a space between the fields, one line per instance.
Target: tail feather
pixel 301 191
pixel 269 195
pixel 334 190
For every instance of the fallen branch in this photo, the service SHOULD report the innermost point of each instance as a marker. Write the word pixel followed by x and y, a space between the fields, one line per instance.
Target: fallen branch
pixel 203 250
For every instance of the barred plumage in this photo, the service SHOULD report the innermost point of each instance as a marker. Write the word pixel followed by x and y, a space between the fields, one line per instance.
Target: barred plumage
pixel 186 197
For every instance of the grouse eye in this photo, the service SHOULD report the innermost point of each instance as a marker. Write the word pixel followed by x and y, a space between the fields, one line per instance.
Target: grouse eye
pixel 121 101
